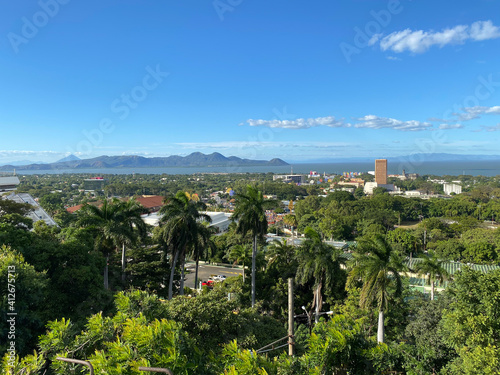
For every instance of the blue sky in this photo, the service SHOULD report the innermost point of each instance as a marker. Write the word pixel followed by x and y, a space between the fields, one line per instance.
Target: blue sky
pixel 252 78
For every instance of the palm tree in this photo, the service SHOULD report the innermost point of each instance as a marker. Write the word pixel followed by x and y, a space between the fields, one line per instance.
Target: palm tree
pixel 239 254
pixel 131 215
pixel 282 255
pixel 317 260
pixel 432 267
pixel 113 224
pixel 249 213
pixel 203 241
pixel 378 266
pixel 179 230
pixel 290 220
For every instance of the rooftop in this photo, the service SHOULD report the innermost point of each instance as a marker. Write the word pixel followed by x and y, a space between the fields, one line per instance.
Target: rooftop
pixel 38 213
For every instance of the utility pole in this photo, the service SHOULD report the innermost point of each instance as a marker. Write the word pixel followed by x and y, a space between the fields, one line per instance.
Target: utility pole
pixel 290 318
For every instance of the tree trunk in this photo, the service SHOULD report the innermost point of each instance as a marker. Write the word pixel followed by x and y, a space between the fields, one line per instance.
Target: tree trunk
pixel 254 255
pixel 106 283
pixel 183 264
pixel 432 290
pixel 290 318
pixel 172 273
pixel 196 272
pixel 243 272
pixel 123 263
pixel 318 291
pixel 380 332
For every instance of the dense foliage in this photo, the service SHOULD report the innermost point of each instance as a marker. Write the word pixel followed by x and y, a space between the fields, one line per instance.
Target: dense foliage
pixel 380 324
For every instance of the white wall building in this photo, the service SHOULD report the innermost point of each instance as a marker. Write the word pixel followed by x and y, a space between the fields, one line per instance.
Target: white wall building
pixel 452 188
pixel 370 186
pixel 413 193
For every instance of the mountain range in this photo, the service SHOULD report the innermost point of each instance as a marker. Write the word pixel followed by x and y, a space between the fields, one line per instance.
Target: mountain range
pixel 196 159
pixel 424 157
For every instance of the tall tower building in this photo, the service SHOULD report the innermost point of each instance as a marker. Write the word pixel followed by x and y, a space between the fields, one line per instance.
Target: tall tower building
pixel 381 171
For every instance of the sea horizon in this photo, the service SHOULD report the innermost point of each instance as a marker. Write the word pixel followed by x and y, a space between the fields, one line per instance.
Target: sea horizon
pixel 437 168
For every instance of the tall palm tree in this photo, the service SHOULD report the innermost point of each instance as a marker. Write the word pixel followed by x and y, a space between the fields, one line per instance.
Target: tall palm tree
pixel 203 242
pixel 179 230
pixel 113 224
pixel 317 260
pixel 432 267
pixel 249 213
pixel 378 266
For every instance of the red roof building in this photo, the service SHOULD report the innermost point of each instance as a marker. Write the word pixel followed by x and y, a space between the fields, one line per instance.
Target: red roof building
pixel 152 203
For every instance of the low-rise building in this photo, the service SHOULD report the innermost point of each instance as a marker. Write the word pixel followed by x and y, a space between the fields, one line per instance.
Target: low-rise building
pixel 220 220
pixel 9 183
pixel 413 193
pixel 295 178
pixel 38 213
pixel 94 184
pixel 370 186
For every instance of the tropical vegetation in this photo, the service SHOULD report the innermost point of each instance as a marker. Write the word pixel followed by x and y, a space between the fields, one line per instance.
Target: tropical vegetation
pixel 355 309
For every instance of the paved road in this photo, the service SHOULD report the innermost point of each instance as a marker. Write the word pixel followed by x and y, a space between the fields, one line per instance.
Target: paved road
pixel 205 270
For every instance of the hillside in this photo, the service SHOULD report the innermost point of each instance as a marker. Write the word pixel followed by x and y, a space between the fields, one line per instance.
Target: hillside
pixel 196 159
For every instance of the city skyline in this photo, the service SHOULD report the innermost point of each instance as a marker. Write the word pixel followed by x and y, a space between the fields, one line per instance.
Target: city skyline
pixel 256 80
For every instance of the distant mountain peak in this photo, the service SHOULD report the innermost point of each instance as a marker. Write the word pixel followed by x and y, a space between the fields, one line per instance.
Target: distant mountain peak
pixel 70 157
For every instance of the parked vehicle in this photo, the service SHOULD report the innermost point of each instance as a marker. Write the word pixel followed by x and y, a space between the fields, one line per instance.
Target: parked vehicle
pixel 208 284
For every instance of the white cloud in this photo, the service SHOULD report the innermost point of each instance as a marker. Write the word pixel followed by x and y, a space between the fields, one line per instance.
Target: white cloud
pixel 495 128
pixel 368 121
pixel 374 39
pixel 375 122
pixel 420 41
pixel 300 123
pixel 471 113
pixel 451 126
pixel 483 30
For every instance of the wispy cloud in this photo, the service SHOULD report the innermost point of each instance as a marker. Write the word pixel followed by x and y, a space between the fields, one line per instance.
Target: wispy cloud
pixel 375 122
pixel 7 156
pixel 451 126
pixel 419 41
pixel 4 153
pixel 467 144
pixel 471 113
pixel 243 144
pixel 485 128
pixel 300 123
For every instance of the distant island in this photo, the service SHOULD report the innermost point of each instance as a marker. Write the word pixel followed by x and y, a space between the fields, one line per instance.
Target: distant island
pixel 196 159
